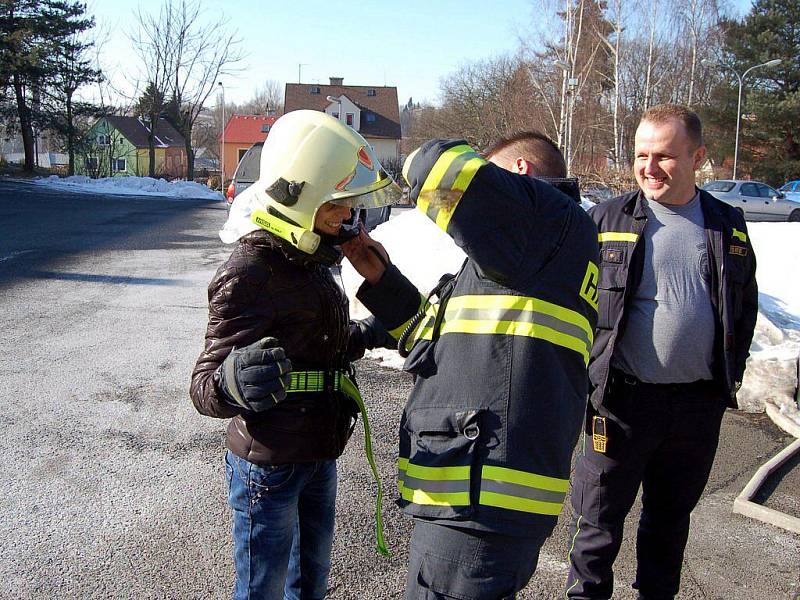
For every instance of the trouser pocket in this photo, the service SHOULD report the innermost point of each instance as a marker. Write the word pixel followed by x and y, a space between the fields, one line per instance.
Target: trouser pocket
pixel 437 474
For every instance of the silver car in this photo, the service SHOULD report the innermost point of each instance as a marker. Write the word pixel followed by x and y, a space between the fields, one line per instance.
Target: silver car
pixel 755 200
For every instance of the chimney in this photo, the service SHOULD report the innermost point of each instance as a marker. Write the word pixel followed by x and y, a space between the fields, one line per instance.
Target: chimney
pixel 336 80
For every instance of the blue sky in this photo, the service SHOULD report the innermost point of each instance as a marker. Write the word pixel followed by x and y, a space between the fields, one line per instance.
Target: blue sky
pixel 410 44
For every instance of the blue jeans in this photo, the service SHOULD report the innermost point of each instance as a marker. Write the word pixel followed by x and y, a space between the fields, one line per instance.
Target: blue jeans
pixel 283 518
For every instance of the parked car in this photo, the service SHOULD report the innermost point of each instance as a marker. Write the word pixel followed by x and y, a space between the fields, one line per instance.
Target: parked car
pixel 597 194
pixel 791 190
pixel 755 200
pixel 246 172
pixel 249 168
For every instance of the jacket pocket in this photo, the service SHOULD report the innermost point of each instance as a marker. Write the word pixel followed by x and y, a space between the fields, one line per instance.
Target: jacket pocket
pixel 737 275
pixel 437 478
pixel 610 291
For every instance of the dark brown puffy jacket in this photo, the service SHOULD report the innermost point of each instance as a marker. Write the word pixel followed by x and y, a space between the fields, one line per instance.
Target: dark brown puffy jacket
pixel 267 288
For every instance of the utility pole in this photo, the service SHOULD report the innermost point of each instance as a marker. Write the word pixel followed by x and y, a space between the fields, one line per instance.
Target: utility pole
pixel 222 151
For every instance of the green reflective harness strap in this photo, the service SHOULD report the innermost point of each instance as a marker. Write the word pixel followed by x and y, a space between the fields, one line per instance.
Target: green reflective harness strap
pixel 314 381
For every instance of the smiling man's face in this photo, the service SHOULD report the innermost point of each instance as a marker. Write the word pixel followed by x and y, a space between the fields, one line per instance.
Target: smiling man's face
pixel 666 159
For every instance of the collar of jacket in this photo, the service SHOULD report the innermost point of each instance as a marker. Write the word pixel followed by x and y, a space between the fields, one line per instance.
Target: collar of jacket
pixel 634 206
pixel 265 239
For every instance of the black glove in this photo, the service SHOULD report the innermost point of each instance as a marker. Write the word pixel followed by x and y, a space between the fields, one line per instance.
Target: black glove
pixel 374 334
pixel 255 377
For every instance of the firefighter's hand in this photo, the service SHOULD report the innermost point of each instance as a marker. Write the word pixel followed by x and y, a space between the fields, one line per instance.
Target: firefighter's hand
pixel 255 377
pixel 367 256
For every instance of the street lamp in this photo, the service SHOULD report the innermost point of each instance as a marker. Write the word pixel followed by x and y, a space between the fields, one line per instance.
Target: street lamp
pixel 709 63
pixel 222 151
pixel 339 102
pixel 568 89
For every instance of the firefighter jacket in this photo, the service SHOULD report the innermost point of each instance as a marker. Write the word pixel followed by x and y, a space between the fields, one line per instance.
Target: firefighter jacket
pixel 734 297
pixel 500 359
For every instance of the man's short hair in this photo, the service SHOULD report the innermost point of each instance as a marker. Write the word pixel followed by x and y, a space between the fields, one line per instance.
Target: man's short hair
pixel 691 122
pixel 535 147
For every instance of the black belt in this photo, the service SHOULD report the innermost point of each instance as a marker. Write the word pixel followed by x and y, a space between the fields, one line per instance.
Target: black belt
pixel 699 385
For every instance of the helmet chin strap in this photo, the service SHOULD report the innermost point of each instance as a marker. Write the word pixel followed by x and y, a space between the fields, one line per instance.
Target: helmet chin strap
pixel 306 241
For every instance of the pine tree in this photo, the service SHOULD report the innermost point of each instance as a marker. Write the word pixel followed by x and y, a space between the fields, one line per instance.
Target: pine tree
pixel 771 137
pixel 34 36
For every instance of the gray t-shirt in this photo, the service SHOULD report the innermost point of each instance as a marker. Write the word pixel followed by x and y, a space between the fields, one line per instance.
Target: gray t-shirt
pixel 669 335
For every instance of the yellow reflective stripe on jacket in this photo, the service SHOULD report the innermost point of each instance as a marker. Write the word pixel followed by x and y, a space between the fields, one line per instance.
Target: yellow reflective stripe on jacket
pixel 398 331
pixel 500 487
pixel 617 236
pixel 433 486
pixel 741 235
pixel 447 182
pixel 517 315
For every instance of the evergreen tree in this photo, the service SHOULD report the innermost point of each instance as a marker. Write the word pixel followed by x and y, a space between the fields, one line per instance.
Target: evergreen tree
pixel 34 37
pixel 771 110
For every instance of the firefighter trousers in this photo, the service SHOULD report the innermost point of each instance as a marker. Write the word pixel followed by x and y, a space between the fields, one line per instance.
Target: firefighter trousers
pixel 448 563
pixel 664 438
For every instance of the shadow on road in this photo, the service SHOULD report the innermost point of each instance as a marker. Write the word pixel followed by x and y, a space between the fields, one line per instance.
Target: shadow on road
pixel 42 228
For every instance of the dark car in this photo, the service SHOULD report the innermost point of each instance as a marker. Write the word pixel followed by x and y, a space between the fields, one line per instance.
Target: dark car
pixel 246 172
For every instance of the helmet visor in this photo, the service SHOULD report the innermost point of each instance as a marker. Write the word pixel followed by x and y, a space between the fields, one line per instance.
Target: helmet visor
pixel 366 188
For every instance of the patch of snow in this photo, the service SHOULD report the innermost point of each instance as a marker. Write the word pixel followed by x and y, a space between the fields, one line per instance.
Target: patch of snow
pixel 771 374
pixel 138 186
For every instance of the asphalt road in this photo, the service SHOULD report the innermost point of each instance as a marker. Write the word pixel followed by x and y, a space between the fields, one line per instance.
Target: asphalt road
pixel 112 486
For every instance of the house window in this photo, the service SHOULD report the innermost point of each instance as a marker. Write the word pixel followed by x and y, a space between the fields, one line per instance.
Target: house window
pixel 349 119
pixel 370 92
pixel 242 152
pixel 370 117
pixel 103 139
pixel 91 163
pixel 265 128
pixel 120 165
pixel 315 89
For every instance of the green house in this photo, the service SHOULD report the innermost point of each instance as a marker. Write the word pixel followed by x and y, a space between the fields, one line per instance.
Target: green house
pixel 118 146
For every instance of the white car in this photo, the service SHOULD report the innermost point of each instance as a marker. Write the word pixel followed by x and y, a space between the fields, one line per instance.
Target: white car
pixel 755 200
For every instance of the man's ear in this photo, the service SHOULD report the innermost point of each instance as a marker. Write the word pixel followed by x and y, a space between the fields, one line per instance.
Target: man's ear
pixel 699 157
pixel 523 167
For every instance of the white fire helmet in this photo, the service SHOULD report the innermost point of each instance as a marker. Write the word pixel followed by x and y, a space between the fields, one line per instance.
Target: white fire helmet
pixel 310 158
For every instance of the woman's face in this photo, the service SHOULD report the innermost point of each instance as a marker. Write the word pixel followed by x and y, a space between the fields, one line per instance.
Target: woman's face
pixel 329 218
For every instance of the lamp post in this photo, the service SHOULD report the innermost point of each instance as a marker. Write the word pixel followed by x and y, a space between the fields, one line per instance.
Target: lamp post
pixel 222 151
pixel 569 87
pixel 709 63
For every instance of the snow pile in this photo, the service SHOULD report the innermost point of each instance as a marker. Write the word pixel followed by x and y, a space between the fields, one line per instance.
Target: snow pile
pixel 138 186
pixel 771 373
pixel 423 253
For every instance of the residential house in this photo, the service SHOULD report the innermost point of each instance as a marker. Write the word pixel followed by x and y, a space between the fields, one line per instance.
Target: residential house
pixel 241 132
pixel 118 146
pixel 371 110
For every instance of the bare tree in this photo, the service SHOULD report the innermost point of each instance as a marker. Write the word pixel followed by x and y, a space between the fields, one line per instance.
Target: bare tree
pixel 267 100
pixel 613 47
pixel 154 46
pixel 200 53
